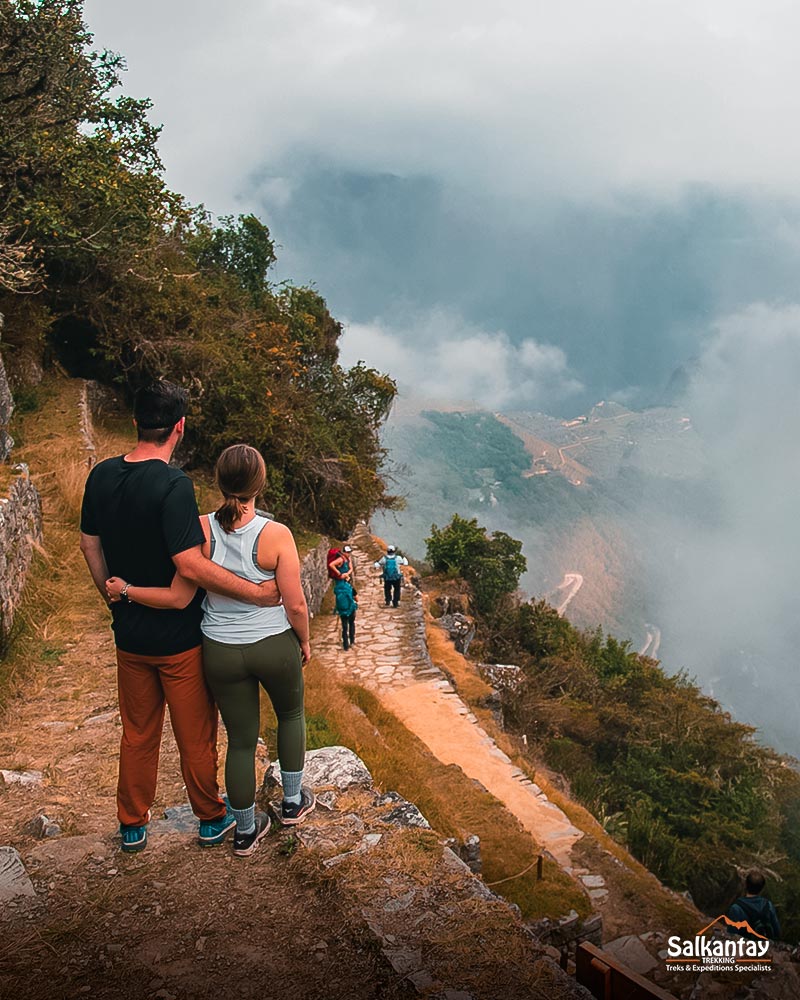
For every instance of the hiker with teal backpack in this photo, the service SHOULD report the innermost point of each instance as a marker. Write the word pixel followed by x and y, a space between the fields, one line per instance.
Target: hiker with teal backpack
pixel 391 574
pixel 346 607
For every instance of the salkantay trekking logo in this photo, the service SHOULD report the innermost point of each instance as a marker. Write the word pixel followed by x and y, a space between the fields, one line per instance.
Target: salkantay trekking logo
pixel 720 954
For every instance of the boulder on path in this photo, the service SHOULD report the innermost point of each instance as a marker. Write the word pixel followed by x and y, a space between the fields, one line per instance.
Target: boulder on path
pixel 42 826
pixel 14 881
pixel 64 854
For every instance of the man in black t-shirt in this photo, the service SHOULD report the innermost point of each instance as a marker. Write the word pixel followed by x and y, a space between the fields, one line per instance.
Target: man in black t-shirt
pixel 139 521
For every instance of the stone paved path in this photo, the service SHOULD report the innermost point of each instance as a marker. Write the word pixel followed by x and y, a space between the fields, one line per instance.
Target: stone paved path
pixel 391 658
pixel 390 649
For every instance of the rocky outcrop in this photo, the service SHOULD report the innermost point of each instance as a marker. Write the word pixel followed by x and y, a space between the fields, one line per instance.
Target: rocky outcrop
pixel 502 676
pixel 14 880
pixel 460 628
pixel 20 531
pixel 411 890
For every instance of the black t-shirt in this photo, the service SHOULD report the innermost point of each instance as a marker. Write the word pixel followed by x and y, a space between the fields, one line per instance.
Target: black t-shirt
pixel 145 513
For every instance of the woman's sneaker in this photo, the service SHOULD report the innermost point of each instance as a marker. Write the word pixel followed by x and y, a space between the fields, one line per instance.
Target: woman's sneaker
pixel 292 813
pixel 245 843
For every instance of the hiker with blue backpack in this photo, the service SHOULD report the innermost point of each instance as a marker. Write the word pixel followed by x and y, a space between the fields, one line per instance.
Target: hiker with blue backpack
pixel 391 574
pixel 346 607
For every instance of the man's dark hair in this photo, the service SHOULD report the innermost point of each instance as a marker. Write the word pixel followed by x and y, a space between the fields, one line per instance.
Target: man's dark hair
pixel 157 408
pixel 754 883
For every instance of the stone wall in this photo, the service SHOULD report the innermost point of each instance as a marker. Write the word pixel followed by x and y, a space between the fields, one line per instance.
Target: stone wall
pixel 314 575
pixel 20 529
pixel 6 409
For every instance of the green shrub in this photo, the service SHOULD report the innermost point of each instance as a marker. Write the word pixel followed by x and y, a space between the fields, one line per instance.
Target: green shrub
pixel 492 566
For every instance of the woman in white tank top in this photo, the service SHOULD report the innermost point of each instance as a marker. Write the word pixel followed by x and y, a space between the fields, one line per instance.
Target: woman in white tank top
pixel 246 647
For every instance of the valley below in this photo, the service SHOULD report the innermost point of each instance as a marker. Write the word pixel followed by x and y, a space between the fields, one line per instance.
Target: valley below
pixel 626 524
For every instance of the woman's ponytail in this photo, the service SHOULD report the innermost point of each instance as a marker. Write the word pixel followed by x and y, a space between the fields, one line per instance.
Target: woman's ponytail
pixel 241 476
pixel 229 513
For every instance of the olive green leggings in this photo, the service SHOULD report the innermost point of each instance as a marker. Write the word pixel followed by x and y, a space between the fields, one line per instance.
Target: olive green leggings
pixel 234 673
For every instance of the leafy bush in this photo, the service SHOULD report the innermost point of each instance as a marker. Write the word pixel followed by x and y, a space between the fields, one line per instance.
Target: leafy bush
pixel 492 566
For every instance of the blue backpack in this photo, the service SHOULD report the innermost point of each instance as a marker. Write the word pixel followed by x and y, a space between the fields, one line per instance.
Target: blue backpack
pixel 391 571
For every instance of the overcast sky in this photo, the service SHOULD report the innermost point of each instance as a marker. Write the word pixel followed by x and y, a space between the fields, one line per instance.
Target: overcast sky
pixel 578 99
pixel 584 186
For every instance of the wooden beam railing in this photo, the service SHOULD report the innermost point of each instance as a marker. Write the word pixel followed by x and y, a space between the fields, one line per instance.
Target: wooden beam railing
pixel 608 979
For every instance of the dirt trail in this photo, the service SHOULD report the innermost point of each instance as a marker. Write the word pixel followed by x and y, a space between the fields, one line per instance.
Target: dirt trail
pixel 390 656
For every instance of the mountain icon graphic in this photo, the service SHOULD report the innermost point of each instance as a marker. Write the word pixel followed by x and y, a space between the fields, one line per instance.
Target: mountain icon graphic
pixel 738 925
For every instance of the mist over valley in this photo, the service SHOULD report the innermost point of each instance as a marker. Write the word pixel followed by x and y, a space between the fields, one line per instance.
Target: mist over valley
pixel 676 519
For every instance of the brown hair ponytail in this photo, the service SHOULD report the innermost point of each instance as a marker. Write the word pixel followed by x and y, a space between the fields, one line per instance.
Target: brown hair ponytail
pixel 241 475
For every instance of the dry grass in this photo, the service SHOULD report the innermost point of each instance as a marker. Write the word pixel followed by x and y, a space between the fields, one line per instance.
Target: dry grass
pixel 59 602
pixel 634 880
pixel 462 673
pixel 453 804
pixel 464 940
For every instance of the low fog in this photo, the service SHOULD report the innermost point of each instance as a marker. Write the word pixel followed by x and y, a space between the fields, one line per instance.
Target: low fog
pixel 714 572
pixel 728 594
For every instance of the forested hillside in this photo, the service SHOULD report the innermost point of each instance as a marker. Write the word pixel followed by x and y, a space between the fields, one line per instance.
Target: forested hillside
pixel 107 271
pixel 693 794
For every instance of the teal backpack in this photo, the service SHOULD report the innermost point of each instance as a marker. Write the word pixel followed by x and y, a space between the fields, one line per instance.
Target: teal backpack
pixel 391 571
pixel 345 602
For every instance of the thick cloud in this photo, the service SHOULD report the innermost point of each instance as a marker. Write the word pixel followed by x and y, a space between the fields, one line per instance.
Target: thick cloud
pixel 729 590
pixel 580 98
pixel 441 357
pixel 602 177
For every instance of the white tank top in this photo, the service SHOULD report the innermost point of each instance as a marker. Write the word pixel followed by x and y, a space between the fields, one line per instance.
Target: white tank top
pixel 224 618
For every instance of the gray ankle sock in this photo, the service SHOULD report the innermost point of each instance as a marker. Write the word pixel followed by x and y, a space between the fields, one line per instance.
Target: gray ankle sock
pixel 245 819
pixel 292 786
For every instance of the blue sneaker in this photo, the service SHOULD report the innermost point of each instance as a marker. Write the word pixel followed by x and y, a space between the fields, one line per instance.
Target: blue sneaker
pixel 134 838
pixel 214 831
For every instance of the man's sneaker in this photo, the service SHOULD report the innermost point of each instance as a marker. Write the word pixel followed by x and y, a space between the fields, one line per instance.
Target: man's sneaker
pixel 134 838
pixel 246 843
pixel 214 831
pixel 293 813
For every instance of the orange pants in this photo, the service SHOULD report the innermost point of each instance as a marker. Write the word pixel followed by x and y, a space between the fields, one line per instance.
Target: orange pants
pixel 146 684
